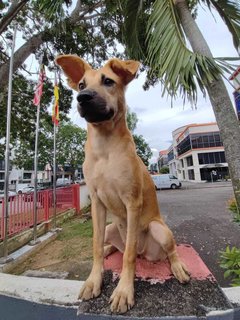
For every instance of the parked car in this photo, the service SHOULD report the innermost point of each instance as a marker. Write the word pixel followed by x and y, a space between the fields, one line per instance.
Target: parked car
pixel 11 195
pixel 28 196
pixel 24 188
pixel 61 182
pixel 166 181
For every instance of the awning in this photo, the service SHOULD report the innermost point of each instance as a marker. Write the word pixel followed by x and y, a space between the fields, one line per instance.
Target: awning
pixel 213 165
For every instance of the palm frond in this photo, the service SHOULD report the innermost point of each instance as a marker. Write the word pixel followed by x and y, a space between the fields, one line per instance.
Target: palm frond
pixel 133 11
pixel 229 11
pixel 178 68
pixel 53 10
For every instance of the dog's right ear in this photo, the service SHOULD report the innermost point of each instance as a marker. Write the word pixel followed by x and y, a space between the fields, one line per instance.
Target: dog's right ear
pixel 73 67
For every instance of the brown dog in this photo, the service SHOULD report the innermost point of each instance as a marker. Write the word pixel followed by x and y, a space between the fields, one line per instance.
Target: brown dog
pixel 117 179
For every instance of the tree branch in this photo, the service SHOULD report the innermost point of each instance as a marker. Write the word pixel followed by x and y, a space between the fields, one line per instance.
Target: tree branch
pixel 91 17
pixel 37 40
pixel 12 12
pixel 20 56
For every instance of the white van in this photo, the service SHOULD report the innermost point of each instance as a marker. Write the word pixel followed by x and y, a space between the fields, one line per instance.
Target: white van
pixel 167 181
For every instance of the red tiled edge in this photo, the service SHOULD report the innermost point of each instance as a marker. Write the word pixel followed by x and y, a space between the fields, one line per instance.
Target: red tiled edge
pixel 160 271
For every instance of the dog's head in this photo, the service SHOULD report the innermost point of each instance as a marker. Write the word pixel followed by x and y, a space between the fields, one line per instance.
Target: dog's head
pixel 101 92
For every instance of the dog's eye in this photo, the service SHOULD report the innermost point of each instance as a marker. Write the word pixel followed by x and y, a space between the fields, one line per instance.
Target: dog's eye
pixel 81 86
pixel 108 82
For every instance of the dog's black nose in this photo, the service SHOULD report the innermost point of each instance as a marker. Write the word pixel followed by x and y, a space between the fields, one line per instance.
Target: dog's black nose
pixel 85 95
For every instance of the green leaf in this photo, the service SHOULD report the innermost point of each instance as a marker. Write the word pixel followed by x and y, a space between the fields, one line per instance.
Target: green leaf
pixel 227 274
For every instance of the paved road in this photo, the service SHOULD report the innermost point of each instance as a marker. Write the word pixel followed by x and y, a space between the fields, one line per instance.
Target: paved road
pixel 198 215
pixel 18 309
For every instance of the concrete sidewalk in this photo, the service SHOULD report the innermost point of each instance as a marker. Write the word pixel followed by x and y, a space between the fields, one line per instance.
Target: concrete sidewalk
pixel 201 185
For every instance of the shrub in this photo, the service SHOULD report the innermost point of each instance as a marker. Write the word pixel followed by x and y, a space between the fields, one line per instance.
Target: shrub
pixel 230 261
pixel 164 169
pixel 232 205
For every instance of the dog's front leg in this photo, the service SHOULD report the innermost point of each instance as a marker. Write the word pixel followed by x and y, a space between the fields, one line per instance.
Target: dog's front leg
pixel 92 286
pixel 123 296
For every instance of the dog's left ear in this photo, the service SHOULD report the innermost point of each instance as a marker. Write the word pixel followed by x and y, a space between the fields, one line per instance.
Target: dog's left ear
pixel 126 70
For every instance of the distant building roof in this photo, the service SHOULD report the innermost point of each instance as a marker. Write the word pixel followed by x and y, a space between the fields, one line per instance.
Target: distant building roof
pixel 195 125
pixel 163 152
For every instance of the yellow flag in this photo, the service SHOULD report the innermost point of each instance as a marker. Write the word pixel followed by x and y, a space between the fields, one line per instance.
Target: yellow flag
pixel 55 113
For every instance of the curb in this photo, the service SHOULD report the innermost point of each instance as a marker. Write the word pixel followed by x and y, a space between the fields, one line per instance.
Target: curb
pixel 26 251
pixel 64 293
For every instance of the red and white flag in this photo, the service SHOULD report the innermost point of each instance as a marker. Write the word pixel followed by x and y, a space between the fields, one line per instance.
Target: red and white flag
pixel 39 88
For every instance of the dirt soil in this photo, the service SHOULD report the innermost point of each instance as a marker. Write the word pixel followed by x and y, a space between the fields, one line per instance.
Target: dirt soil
pixel 69 253
pixel 168 299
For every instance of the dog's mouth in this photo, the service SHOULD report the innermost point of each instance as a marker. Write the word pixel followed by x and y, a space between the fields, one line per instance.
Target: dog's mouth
pixel 94 109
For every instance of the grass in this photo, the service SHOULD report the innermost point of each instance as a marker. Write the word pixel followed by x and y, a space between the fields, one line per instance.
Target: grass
pixel 232 205
pixel 76 228
pixel 76 236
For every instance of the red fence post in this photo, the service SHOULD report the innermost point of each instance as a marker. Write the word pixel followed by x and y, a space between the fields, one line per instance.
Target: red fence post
pixel 46 205
pixel 2 234
pixel 76 197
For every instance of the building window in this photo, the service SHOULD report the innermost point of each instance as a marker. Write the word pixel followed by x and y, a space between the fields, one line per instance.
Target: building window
pixel 198 141
pixel 191 175
pixel 211 157
pixel 2 175
pixel 182 163
pixel 189 161
pixel 184 146
pixel 170 155
pixel 2 165
pixel 206 140
pixel 27 175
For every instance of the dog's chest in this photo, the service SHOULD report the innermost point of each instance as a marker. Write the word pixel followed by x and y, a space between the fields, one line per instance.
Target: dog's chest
pixel 106 180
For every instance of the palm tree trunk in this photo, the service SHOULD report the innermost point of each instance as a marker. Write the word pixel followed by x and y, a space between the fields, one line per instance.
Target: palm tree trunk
pixel 221 103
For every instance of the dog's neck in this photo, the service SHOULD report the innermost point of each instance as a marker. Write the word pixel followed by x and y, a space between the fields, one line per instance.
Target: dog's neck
pixel 109 135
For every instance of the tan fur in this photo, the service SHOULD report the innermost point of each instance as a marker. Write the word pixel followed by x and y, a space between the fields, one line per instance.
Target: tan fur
pixel 119 183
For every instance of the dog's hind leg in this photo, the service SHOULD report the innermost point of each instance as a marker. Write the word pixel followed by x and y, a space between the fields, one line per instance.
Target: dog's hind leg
pixel 160 233
pixel 113 240
pixel 109 249
pixel 92 286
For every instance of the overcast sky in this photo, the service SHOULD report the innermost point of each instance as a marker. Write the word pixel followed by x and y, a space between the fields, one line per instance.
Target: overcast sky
pixel 157 119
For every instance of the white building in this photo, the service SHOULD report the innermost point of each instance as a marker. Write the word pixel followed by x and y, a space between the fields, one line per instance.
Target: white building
pixel 23 176
pixel 197 153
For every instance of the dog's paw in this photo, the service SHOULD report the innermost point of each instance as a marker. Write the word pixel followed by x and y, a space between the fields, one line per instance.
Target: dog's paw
pixel 180 272
pixel 122 299
pixel 91 289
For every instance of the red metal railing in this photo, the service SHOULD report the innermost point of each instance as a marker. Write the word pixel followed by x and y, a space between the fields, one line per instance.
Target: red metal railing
pixel 20 210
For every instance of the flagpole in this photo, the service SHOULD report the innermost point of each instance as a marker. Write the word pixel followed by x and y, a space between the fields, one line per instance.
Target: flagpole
pixel 54 178
pixel 5 259
pixel 35 179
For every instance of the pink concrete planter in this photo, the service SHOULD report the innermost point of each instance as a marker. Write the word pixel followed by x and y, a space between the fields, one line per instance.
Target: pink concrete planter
pixel 156 288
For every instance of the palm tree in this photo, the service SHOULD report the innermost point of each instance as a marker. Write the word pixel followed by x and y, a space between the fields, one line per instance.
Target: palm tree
pixel 162 47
